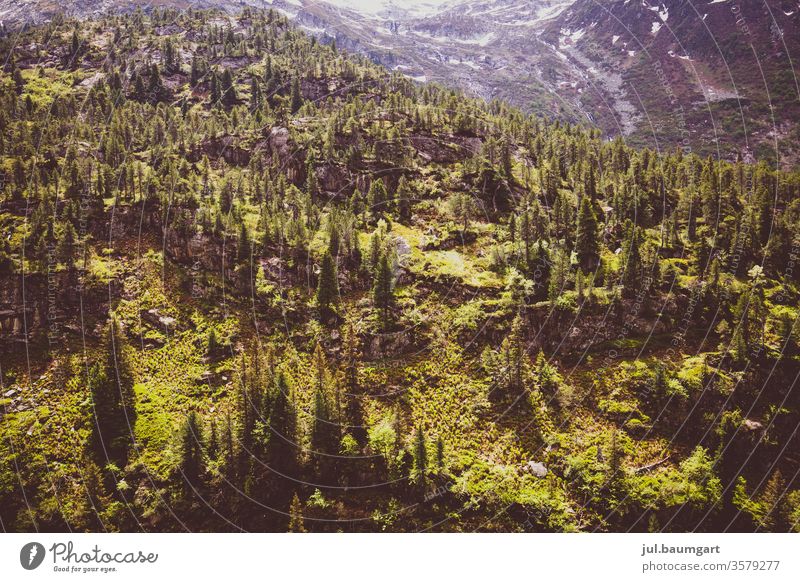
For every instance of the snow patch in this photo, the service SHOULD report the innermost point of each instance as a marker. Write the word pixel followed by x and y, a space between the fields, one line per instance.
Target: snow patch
pixel 674 56
pixel 662 10
pixel 573 36
pixel 548 12
pixel 480 40
pixel 417 8
pixel 462 63
pixel 418 79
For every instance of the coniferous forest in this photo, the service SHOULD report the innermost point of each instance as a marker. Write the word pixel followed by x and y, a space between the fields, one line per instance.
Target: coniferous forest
pixel 251 281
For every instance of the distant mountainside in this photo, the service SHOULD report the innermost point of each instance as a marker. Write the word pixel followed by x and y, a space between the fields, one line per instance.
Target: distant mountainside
pixel 717 77
pixel 720 73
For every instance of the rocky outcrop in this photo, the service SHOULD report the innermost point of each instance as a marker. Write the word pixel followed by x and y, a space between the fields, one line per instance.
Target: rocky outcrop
pixel 445 151
pixel 227 147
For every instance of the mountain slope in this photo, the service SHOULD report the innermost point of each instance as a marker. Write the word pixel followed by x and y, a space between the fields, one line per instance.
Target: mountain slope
pixel 669 74
pixel 249 281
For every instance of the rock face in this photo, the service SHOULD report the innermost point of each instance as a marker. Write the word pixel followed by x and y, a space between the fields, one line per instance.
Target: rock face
pixel 334 179
pixel 226 147
pixel 277 143
pixel 445 152
pixel 388 345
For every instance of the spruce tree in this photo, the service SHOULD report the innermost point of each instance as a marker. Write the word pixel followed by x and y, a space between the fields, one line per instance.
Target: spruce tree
pixel 420 458
pixel 281 450
pixel 506 161
pixel 244 248
pixel 632 263
pixel 377 197
pixel 213 441
pixel 461 206
pixel 111 388
pixel 591 185
pixel 75 45
pixel 192 462
pixel 212 344
pixel 334 239
pixel 515 355
pixel 383 287
pixel 558 275
pixel 354 416
pixel 324 437
pixel 311 174
pixel 296 516
pixel 374 250
pixel 403 200
pixel 328 286
pixel 586 244
pixel 255 94
pixel 771 504
pixel 229 97
pixel 215 89
pixel 296 99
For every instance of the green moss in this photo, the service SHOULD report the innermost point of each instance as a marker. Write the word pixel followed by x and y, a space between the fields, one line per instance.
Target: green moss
pixel 456 267
pixel 45 85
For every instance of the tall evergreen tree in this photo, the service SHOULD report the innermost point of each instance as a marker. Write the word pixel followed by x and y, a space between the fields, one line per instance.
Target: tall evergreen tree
pixel 353 412
pixel 192 461
pixel 420 458
pixel 296 521
pixel 296 99
pixel 586 244
pixel 228 90
pixel 324 431
pixel 113 402
pixel 515 357
pixel 377 197
pixel 462 206
pixel 281 453
pixel 328 286
pixel 632 263
pixel 403 200
pixel 383 287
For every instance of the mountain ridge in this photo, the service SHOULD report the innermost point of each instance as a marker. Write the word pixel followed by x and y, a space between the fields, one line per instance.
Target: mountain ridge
pixel 571 59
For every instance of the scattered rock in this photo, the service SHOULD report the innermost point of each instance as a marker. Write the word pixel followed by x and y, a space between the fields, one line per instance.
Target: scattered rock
pixel 154 318
pixel 752 425
pixel 536 468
